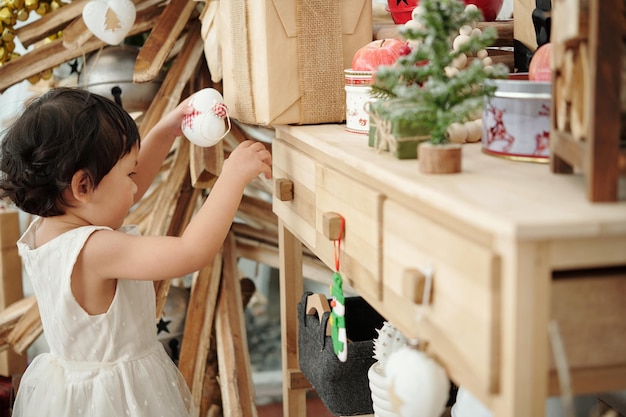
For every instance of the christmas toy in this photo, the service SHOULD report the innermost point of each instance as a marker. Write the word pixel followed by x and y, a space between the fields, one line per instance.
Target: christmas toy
pixel 204 125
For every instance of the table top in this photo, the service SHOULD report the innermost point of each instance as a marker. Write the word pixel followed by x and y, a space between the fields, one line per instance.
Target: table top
pixel 500 196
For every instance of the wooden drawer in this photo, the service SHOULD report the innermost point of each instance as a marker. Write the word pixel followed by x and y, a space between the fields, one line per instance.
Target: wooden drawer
pixel 588 308
pixel 462 323
pixel 297 211
pixel 319 191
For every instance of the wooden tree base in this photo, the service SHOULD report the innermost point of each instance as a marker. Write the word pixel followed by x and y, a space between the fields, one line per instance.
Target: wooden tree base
pixel 439 159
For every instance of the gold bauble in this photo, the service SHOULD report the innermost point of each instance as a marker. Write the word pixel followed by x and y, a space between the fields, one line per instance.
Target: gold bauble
pixel 31 4
pixel 43 8
pixel 8 34
pixel 6 16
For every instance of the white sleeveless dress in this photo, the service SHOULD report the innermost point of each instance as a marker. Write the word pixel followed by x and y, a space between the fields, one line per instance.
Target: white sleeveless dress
pixel 106 365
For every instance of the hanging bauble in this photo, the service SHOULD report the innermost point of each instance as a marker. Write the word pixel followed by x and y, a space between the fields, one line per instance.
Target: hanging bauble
pixel 110 20
pixel 204 125
pixel 467 405
pixel 418 385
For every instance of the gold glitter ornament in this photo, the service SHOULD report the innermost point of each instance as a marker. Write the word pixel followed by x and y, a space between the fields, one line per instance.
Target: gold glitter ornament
pixel 13 10
pixel 43 8
pixel 31 4
pixel 6 16
pixel 8 34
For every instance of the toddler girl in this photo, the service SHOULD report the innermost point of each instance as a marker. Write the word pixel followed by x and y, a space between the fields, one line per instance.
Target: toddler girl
pixel 74 159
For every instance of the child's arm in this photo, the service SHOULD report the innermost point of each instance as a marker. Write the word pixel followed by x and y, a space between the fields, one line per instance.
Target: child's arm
pixel 156 145
pixel 111 254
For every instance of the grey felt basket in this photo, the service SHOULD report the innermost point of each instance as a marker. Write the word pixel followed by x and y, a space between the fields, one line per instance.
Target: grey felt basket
pixel 343 387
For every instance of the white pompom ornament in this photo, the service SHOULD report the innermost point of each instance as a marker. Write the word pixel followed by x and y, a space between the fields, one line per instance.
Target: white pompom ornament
pixel 205 125
pixel 418 385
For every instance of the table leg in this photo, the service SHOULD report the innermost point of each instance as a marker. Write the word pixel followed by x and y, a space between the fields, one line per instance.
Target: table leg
pixel 291 287
pixel 525 345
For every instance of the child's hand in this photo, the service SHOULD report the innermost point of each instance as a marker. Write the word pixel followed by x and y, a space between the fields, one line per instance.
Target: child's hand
pixel 248 160
pixel 172 121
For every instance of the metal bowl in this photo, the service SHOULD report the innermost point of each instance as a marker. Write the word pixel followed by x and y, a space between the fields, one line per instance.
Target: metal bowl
pixel 110 74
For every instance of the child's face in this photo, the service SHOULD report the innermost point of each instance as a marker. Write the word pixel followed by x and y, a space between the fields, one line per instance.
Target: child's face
pixel 115 194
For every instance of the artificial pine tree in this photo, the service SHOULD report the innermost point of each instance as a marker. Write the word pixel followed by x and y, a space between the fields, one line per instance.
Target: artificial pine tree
pixel 435 84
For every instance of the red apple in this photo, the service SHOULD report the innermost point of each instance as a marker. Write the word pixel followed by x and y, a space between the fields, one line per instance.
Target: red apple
pixel 378 52
pixel 539 68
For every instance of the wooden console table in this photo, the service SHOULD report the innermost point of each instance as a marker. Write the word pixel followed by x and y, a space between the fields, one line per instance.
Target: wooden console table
pixel 512 248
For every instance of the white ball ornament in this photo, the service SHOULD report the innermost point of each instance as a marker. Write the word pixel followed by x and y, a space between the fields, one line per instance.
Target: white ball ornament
pixel 204 125
pixel 457 132
pixel 451 71
pixel 465 30
pixel 460 40
pixel 417 12
pixel 474 130
pixel 460 61
pixel 471 7
pixel 414 24
pixel 418 385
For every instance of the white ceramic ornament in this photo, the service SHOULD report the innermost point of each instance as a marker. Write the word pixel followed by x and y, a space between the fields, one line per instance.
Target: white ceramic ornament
pixel 109 20
pixel 467 405
pixel 205 125
pixel 418 385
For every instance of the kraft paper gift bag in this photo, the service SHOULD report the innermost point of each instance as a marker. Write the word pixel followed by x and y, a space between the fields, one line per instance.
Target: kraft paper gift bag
pixel 283 60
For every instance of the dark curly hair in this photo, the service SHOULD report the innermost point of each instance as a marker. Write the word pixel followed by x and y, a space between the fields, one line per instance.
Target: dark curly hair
pixel 63 131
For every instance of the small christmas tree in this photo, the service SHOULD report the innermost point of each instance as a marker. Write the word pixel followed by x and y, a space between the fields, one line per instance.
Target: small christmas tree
pixel 436 85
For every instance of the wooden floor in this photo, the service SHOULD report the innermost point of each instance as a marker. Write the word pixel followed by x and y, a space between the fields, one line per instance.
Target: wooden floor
pixel 314 408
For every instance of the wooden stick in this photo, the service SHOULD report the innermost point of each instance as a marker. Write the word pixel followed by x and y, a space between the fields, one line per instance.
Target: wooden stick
pixel 168 96
pixel 194 351
pixel 233 357
pixel 50 23
pixel 54 53
pixel 205 165
pixel 12 314
pixel 26 330
pixel 76 34
pixel 161 39
pixel 211 404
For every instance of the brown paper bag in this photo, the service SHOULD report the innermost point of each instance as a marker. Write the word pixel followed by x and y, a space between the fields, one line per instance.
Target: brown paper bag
pixel 283 60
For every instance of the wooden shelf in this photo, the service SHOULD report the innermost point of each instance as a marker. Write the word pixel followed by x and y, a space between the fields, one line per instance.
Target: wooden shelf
pixel 586 104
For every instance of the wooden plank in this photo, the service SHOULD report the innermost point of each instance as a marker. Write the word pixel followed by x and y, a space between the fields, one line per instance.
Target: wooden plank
pixel 51 54
pixel 161 39
pixel 11 290
pixel 232 353
pixel 26 330
pixel 605 38
pixel 76 34
pixel 177 77
pixel 211 403
pixel 50 23
pixel 291 286
pixel 195 347
pixel 183 210
pixel 205 164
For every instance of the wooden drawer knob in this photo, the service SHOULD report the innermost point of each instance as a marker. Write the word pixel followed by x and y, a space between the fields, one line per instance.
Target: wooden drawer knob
pixel 331 225
pixel 283 189
pixel 414 283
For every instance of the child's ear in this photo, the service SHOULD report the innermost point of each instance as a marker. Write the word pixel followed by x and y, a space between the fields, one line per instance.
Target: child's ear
pixel 81 186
